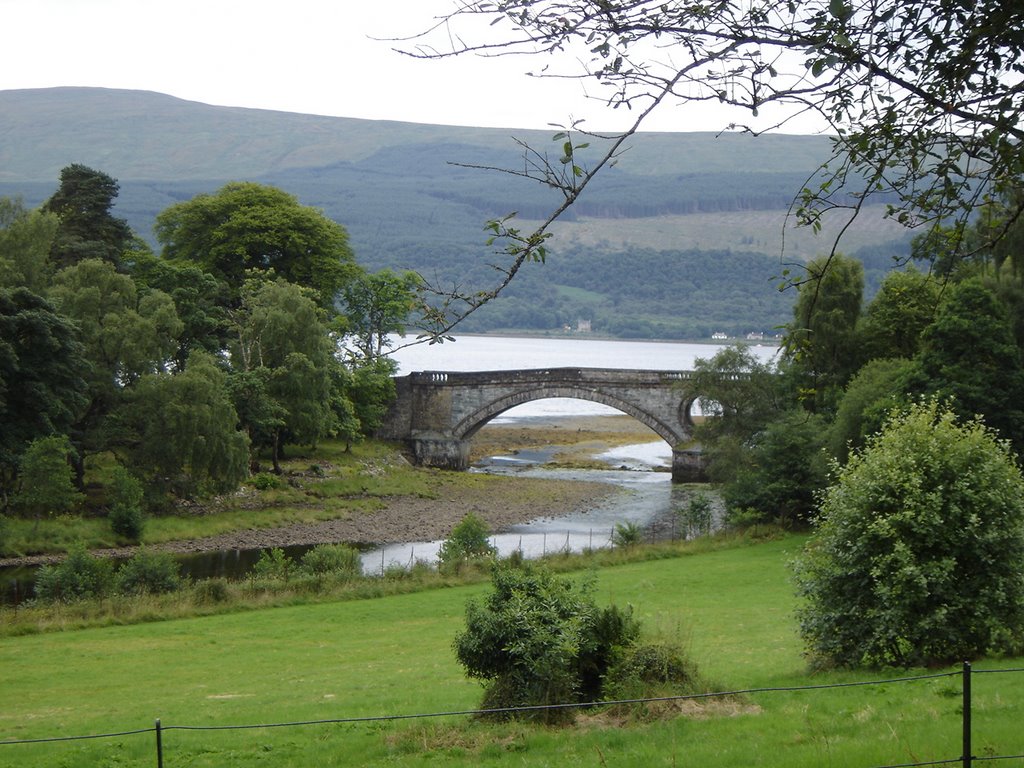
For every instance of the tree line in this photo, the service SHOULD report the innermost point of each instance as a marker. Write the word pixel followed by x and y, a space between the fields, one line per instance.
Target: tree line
pixel 894 429
pixel 253 329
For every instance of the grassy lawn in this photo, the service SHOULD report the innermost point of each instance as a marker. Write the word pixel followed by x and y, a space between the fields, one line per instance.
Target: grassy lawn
pixel 387 656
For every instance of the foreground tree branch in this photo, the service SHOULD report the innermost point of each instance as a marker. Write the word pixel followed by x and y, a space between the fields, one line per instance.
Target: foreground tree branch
pixel 924 98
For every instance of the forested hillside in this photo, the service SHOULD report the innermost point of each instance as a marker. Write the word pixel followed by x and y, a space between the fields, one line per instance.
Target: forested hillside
pixel 653 249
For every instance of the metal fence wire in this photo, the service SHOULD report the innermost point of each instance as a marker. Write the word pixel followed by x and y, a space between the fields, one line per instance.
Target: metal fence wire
pixel 966 759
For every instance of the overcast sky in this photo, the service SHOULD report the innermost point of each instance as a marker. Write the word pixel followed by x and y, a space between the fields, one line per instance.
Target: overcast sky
pixel 313 56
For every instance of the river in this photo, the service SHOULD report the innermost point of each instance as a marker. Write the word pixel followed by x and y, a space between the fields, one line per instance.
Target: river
pixel 646 495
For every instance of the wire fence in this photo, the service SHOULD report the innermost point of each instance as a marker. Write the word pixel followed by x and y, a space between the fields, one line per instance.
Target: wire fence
pixel 966 759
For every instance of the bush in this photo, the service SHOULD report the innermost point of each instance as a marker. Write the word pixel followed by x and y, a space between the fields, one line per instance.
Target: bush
pixel 46 478
pixel 264 481
pixel 696 516
pixel 149 573
pixel 919 554
pixel 651 669
pixel 469 540
pixel 124 495
pixel 273 564
pixel 332 560
pixel 539 639
pixel 627 534
pixel 209 591
pixel 79 576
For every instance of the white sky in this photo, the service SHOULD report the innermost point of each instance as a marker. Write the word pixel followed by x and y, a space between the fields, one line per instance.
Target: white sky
pixel 312 56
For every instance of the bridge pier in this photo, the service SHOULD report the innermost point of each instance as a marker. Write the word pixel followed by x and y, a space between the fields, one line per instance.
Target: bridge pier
pixel 688 466
pixel 439 451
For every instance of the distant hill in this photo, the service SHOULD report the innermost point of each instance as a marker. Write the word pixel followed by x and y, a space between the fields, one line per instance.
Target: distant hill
pixel 699 199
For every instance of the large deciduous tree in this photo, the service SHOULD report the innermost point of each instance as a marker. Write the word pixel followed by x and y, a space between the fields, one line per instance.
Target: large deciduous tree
pixel 87 229
pixel 248 226
pixel 283 344
pixel 124 336
pixel 892 324
pixel 181 431
pixel 918 557
pixel 377 305
pixel 924 99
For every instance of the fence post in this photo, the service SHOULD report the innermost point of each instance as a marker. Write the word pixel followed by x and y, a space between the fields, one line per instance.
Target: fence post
pixel 967 757
pixel 159 745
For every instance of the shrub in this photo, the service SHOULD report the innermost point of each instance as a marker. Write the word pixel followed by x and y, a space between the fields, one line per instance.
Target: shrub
pixel 46 481
pixel 124 495
pixel 539 639
pixel 919 554
pixel 651 669
pixel 79 576
pixel 273 564
pixel 208 591
pixel 696 516
pixel 264 481
pixel 627 534
pixel 467 541
pixel 332 560
pixel 149 573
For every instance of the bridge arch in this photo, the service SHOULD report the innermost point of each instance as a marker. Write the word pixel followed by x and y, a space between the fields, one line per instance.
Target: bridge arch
pixel 472 423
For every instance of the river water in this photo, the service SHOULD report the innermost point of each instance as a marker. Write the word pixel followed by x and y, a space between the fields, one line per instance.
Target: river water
pixel 645 494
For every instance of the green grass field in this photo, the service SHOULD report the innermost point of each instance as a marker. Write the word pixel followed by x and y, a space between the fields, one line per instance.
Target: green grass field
pixel 392 656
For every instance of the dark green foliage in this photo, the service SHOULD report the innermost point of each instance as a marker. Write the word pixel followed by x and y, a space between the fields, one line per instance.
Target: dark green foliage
pixel 969 354
pixel 469 540
pixel 338 560
pixel 210 591
pixel 876 389
pixel 25 239
pixel 265 481
pixel 152 573
pixel 283 348
pixel 696 516
pixel 42 376
pixel 200 301
pixel 376 306
pixel 87 230
pixel 647 669
pixel 79 576
pixel 781 470
pixel 273 564
pixel 248 226
pixel 124 500
pixel 918 557
pixel 371 391
pixel 627 534
pixel 892 324
pixel 539 639
pixel 181 430
pixel 46 479
pixel 821 341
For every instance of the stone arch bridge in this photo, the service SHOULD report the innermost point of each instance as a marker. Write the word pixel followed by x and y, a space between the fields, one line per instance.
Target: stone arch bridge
pixel 437 413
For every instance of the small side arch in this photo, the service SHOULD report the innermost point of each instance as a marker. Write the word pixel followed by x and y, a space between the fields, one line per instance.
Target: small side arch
pixel 472 423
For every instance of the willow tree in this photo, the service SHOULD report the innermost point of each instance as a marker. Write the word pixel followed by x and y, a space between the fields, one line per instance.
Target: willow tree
pixel 923 99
